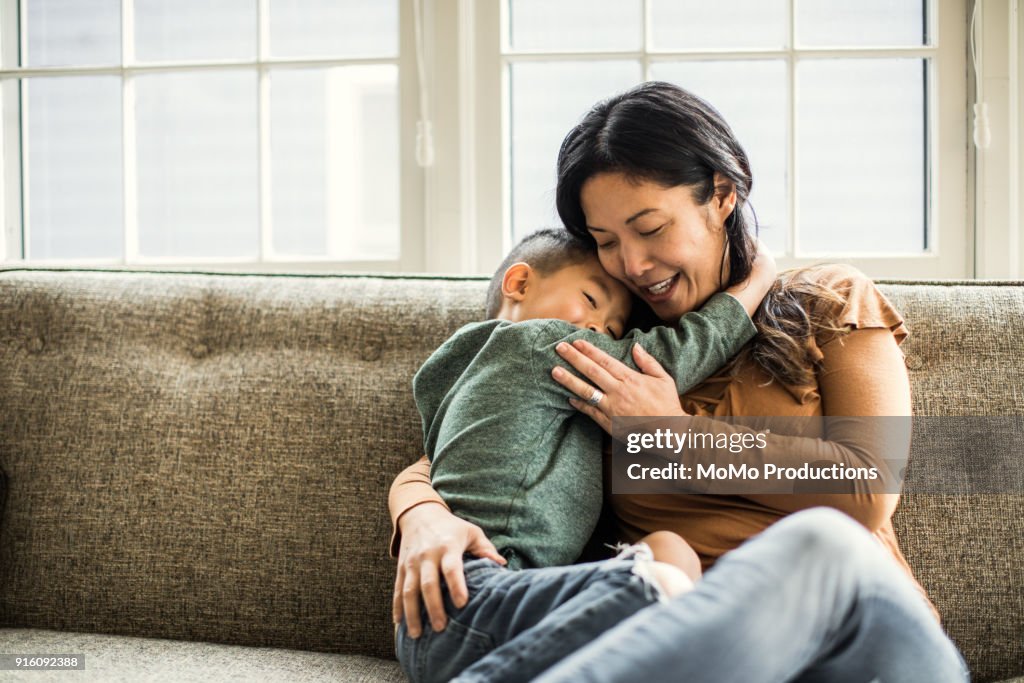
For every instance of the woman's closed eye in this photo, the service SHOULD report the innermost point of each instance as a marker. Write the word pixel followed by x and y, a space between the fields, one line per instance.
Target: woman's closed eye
pixel 651 233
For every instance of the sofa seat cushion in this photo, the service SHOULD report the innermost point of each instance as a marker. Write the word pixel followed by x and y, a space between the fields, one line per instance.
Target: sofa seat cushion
pixel 110 658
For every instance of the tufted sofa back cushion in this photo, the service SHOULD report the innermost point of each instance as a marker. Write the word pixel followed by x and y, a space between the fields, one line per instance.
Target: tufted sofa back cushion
pixel 208 457
pixel 964 356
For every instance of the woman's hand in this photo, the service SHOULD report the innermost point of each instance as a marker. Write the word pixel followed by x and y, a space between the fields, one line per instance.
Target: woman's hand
pixel 651 392
pixel 433 541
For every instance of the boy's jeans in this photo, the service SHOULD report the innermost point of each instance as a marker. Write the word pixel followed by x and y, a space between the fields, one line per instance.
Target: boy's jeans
pixel 542 615
pixel 814 598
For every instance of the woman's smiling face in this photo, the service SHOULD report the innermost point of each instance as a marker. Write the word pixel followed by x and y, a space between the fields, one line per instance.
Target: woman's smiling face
pixel 663 245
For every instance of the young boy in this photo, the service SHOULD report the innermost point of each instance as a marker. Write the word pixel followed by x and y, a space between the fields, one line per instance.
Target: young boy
pixel 509 454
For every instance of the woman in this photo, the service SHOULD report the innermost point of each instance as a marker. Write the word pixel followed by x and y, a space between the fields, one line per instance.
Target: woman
pixel 656 180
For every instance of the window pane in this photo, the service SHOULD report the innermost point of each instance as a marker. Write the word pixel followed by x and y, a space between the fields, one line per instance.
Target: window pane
pixel 753 98
pixel 194 30
pixel 197 164
pixel 547 101
pixel 861 163
pixel 298 161
pixel 74 167
pixel 865 22
pixel 575 24
pixel 326 28
pixel 689 25
pixel 73 32
pixel 335 162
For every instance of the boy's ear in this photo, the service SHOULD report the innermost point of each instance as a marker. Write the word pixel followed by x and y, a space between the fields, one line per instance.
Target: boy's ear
pixel 516 280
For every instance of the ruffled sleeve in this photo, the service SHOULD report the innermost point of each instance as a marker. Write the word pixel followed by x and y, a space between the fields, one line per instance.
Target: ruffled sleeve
pixel 862 305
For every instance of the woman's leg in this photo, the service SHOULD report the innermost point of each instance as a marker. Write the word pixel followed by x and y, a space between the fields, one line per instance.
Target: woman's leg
pixel 814 595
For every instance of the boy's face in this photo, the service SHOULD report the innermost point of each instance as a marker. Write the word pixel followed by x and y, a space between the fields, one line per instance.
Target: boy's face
pixel 582 294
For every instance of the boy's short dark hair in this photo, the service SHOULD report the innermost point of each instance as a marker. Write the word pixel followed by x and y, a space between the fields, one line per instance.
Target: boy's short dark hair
pixel 546 251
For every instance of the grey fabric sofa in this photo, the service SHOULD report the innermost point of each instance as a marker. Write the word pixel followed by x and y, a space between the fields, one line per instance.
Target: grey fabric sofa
pixel 195 468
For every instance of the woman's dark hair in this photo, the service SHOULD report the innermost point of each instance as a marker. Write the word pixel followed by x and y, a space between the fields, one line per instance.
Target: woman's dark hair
pixel 659 132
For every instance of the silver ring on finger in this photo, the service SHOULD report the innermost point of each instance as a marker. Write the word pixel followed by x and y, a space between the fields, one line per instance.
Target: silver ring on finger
pixel 595 397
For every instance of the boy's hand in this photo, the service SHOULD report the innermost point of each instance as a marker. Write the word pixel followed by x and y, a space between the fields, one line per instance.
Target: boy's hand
pixel 751 291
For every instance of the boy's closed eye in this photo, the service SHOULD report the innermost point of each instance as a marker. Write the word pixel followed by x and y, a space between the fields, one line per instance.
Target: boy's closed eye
pixel 593 304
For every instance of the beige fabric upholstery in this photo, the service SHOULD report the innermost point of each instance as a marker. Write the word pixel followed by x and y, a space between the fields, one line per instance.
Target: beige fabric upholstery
pixel 207 458
pixel 966 357
pixel 121 659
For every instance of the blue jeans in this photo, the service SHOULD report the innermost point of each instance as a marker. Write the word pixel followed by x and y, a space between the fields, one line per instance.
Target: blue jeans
pixel 516 624
pixel 812 599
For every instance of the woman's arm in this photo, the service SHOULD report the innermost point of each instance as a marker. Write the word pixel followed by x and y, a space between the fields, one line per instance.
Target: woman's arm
pixel 862 375
pixel 410 488
pixel 430 542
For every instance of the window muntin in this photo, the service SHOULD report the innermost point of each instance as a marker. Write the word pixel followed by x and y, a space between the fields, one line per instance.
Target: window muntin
pixel 839 132
pixel 177 148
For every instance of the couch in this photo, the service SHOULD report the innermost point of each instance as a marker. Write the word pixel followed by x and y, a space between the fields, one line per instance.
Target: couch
pixel 195 467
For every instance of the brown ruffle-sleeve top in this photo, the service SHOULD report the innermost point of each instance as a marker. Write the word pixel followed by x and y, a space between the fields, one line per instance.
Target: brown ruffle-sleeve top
pixel 715 524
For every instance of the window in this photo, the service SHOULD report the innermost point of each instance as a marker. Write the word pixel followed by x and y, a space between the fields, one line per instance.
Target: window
pixel 282 134
pixel 145 132
pixel 844 108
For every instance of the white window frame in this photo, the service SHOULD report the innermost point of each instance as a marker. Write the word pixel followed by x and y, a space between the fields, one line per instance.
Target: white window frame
pixel 998 177
pixel 1016 57
pixel 13 192
pixel 455 215
pixel 950 253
